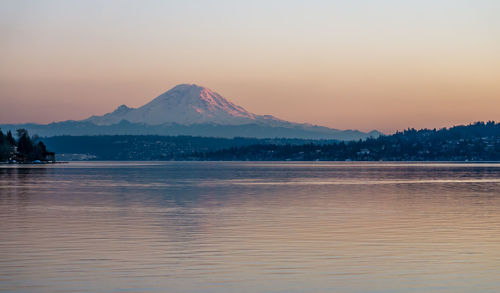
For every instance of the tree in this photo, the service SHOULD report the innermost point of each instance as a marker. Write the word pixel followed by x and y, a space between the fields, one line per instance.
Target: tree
pixel 25 146
pixel 5 148
pixel 22 132
pixel 10 139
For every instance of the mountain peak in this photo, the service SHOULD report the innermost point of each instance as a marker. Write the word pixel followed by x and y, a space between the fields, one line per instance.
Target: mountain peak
pixel 186 90
pixel 190 109
pixel 183 86
pixel 183 104
pixel 201 108
pixel 122 108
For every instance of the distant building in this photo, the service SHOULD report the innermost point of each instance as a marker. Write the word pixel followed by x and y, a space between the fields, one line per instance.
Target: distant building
pixel 363 152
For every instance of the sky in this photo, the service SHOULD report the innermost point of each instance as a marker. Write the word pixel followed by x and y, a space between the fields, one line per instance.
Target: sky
pixel 385 65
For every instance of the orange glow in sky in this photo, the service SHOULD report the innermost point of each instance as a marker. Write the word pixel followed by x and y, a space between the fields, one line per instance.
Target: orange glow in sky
pixel 365 65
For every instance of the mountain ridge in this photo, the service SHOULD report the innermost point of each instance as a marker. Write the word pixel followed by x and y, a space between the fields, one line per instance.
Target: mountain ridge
pixel 190 109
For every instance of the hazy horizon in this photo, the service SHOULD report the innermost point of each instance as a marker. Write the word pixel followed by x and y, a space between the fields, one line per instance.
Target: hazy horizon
pixel 384 65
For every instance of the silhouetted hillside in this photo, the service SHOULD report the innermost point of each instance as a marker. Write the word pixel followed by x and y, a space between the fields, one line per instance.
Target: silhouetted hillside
pixel 475 142
pixel 149 147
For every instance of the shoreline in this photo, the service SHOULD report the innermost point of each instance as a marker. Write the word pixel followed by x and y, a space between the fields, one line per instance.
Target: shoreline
pixel 32 163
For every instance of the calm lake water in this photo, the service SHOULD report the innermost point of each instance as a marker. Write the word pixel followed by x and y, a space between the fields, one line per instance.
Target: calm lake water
pixel 250 227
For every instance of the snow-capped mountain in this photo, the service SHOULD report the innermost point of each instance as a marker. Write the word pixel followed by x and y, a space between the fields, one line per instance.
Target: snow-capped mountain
pixel 188 109
pixel 185 104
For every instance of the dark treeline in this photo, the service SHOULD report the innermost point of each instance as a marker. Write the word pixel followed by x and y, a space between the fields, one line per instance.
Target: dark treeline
pixel 25 149
pixel 475 142
pixel 149 147
pixel 479 141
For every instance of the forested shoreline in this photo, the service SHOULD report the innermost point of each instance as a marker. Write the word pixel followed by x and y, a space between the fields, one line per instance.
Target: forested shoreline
pixel 479 141
pixel 475 142
pixel 25 149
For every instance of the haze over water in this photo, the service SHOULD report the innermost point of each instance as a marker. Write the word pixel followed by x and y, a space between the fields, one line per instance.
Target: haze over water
pixel 250 227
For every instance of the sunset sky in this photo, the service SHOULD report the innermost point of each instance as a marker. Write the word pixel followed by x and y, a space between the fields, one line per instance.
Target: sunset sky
pixel 365 65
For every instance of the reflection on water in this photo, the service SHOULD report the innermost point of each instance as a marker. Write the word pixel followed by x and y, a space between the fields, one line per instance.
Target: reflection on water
pixel 250 227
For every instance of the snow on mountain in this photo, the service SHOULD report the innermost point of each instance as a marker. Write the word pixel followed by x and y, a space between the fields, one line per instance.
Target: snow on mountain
pixel 185 104
pixel 188 109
